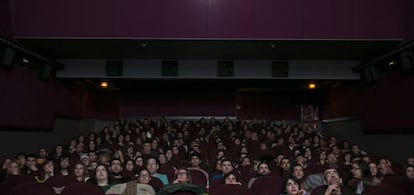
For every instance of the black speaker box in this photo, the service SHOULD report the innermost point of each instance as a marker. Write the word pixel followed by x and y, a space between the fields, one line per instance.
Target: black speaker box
pixel 225 68
pixel 113 68
pixel 6 57
pixel 169 68
pixel 280 69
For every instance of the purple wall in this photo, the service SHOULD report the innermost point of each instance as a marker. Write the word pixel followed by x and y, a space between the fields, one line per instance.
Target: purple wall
pixel 28 102
pixel 5 19
pixel 410 20
pixel 384 106
pixel 318 19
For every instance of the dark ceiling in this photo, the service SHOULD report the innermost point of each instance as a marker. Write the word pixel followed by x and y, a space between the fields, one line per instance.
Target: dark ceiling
pixel 208 49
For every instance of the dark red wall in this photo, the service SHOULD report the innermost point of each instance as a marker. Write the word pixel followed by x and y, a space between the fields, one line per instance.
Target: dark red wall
pixel 5 19
pixel 384 106
pixel 317 19
pixel 28 102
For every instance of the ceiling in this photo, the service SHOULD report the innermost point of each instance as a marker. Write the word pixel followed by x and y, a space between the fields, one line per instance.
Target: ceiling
pixel 209 49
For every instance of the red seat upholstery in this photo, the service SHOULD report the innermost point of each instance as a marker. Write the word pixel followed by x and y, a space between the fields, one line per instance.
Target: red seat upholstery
pixel 198 177
pixel 229 189
pixel 32 188
pixel 82 189
pixel 267 186
pixel 9 182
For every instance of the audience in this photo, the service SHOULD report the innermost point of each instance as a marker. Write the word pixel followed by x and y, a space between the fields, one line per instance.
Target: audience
pixel 147 156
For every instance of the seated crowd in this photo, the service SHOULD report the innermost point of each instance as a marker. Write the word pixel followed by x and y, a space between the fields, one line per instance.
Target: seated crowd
pixel 208 156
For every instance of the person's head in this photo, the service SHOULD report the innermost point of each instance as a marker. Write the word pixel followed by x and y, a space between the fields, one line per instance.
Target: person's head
pixel 92 156
pixel 291 186
pixel 13 168
pixel 116 166
pixel 101 174
pixel 48 167
pixel 298 172
pixel 410 161
pixel 195 159
pixel 80 171
pixel 169 154
pixel 139 161
pixel 144 176
pixel 152 165
pixel 384 165
pixel 322 156
pixel 331 176
pixel 230 178
pixel 263 169
pixel 162 158
pixel 360 169
pixel 43 153
pixel 31 160
pixel 409 172
pixel 285 164
pixel 226 166
pixel 21 159
pixel 331 158
pixel 129 165
pixel 146 147
pixel 355 149
pixel 373 169
pixel 182 176
pixel 245 161
pixel 64 162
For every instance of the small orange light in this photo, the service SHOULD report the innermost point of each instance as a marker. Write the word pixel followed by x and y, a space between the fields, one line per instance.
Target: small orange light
pixel 104 84
pixel 312 86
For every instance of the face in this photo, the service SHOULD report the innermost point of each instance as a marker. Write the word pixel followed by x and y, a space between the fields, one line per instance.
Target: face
pixel 42 153
pixel 49 167
pixel 292 187
pixel 373 168
pixel 129 165
pixel 101 173
pixel 13 169
pixel 409 172
pixel 264 169
pixel 231 179
pixel 116 166
pixel 356 171
pixel 383 164
pixel 410 161
pixel 79 170
pixel 195 161
pixel 332 177
pixel 285 164
pixel 298 172
pixel 147 147
pixel 64 163
pixel 31 161
pixel 162 159
pixel 152 166
pixel 182 176
pixel 168 154
pixel 226 167
pixel 139 162
pixel 332 159
pixel 144 177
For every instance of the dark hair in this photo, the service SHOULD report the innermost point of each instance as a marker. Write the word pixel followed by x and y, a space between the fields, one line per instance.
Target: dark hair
pixel 227 175
pixel 287 180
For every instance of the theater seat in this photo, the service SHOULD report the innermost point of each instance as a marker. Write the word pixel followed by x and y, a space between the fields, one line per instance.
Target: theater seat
pixel 82 189
pixel 32 188
pixel 227 189
pixel 269 185
pixel 7 184
pixel 198 177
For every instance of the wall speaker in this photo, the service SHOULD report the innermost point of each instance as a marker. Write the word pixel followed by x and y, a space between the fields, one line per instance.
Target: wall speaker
pixel 6 57
pixel 169 68
pixel 44 71
pixel 371 74
pixel 113 68
pixel 280 69
pixel 225 68
pixel 407 61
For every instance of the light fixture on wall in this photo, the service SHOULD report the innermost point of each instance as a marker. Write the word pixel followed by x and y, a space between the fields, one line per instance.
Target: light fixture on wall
pixel 312 85
pixel 104 84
